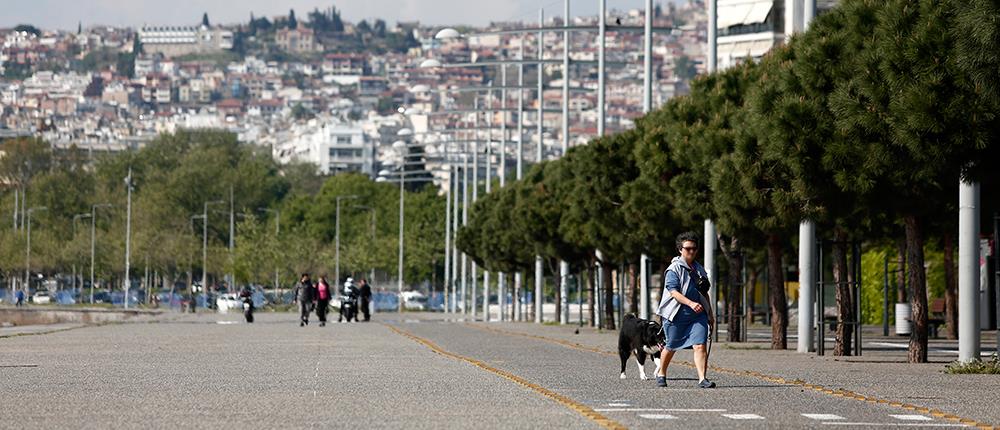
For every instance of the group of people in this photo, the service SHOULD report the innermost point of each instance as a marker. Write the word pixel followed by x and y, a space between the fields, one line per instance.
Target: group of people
pixel 317 296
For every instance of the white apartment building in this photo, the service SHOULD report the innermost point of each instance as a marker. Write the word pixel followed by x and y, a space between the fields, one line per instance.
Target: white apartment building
pixel 182 40
pixel 331 145
pixel 747 29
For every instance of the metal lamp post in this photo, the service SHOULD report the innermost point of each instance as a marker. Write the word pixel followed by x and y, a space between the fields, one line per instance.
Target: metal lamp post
pixel 128 234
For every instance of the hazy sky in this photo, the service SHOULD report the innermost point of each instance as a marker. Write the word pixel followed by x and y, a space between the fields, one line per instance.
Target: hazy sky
pixel 64 14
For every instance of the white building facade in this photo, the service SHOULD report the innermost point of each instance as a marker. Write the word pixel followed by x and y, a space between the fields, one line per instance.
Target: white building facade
pixel 333 146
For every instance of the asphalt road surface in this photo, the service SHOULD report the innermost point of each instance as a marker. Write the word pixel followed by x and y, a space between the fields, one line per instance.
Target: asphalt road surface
pixel 211 371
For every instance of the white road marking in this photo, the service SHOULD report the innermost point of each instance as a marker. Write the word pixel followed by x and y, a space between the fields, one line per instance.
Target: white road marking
pixel 823 417
pixel 839 423
pixel 619 405
pixel 912 417
pixel 657 416
pixel 227 322
pixel 743 416
pixel 657 410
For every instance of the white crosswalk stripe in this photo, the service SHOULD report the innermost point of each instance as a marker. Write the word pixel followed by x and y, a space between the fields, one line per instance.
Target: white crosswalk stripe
pixel 911 417
pixel 743 416
pixel 823 417
pixel 657 416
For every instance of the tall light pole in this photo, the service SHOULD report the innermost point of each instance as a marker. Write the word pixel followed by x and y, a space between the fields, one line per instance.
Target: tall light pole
pixel 647 106
pixel 128 234
pixel 538 157
pixel 563 265
pixel 232 240
pixel 93 243
pixel 709 234
pixel 27 259
pixel 447 231
pixel 277 233
pixel 337 234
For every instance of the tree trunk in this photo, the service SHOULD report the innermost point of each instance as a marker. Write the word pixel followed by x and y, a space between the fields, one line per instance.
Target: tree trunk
pixel 633 283
pixel 776 288
pixel 901 286
pixel 845 304
pixel 734 295
pixel 734 257
pixel 589 273
pixel 950 287
pixel 609 297
pixel 751 293
pixel 918 285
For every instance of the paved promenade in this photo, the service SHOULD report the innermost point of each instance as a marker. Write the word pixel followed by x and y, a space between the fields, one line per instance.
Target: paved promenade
pixel 429 371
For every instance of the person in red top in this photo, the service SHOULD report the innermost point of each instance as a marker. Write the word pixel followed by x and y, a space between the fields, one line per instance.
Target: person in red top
pixel 323 296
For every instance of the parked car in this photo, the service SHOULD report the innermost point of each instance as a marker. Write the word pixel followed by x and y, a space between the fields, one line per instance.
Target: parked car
pixel 41 298
pixel 228 302
pixel 102 297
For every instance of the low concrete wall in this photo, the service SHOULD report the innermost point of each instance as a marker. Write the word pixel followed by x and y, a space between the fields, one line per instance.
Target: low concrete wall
pixel 40 315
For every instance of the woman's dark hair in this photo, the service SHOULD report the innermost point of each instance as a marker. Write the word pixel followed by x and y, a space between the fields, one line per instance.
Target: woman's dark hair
pixel 687 236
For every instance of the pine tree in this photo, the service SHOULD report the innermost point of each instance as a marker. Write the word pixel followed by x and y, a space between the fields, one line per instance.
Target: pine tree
pixel 204 20
pixel 292 22
pixel 906 110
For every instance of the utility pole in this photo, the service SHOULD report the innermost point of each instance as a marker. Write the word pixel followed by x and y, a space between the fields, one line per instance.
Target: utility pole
pixel 128 234
pixel 232 241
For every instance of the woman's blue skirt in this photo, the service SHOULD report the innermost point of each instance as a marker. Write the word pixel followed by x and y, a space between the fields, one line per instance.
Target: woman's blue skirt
pixel 686 330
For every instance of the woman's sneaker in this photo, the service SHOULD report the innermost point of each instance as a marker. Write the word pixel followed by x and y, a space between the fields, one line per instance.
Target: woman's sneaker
pixel 661 381
pixel 705 383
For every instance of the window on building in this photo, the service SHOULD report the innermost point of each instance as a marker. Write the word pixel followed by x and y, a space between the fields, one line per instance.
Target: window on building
pixel 339 153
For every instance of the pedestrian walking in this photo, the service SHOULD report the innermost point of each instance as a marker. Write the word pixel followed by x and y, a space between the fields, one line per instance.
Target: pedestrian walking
pixel 305 296
pixel 366 299
pixel 323 295
pixel 19 298
pixel 685 310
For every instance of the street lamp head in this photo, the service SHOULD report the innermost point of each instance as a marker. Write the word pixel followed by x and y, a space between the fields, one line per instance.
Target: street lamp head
pixel 404 131
pixel 382 173
pixel 380 179
pixel 399 144
pixel 447 33
pixel 430 63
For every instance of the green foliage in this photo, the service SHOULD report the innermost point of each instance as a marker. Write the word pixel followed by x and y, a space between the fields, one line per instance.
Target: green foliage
pixel 979 367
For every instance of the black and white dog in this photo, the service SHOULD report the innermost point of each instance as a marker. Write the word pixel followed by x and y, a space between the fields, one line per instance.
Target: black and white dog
pixel 641 337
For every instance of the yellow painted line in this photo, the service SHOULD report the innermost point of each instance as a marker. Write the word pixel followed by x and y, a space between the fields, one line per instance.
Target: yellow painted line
pixel 573 405
pixel 758 375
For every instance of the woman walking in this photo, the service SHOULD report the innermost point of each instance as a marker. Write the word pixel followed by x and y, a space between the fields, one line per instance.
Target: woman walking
pixel 685 310
pixel 323 295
